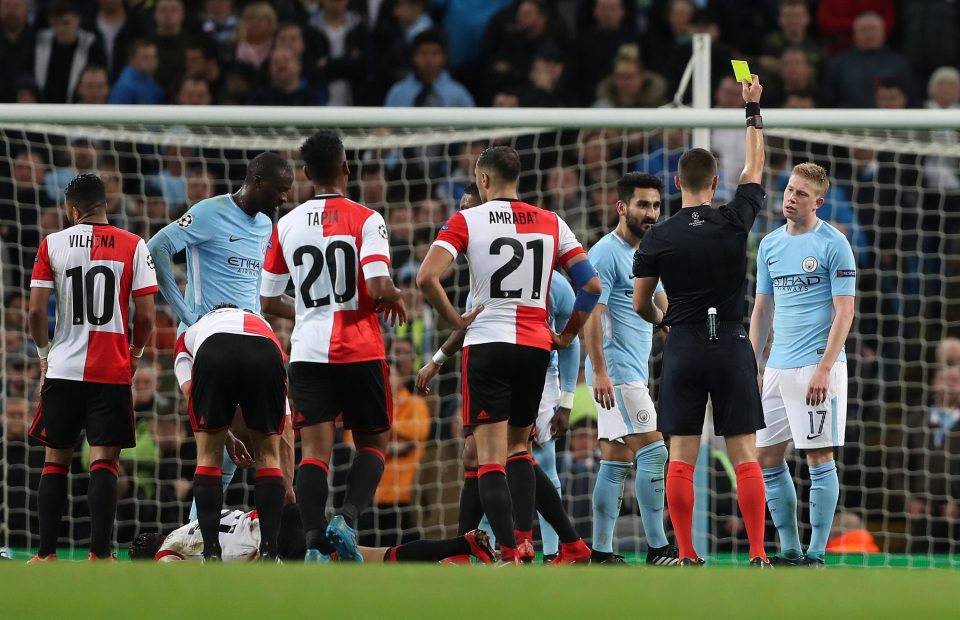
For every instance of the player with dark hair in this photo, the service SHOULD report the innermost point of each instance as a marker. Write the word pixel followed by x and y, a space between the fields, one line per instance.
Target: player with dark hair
pixel 512 248
pixel 231 358
pixel 618 353
pixel 225 238
pixel 700 255
pixel 95 270
pixel 558 389
pixel 240 536
pixel 338 254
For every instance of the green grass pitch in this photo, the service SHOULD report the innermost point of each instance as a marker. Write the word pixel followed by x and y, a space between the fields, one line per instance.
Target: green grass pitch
pixel 72 590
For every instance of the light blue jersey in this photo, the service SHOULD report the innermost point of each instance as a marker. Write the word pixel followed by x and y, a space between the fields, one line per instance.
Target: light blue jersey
pixel 225 250
pixel 627 338
pixel 566 361
pixel 804 273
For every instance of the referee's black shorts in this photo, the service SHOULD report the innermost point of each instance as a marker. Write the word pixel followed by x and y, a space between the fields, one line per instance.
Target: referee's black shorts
pixel 694 368
pixel 503 382
pixel 234 369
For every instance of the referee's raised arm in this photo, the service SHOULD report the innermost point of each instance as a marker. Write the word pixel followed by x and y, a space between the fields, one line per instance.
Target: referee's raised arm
pixel 755 154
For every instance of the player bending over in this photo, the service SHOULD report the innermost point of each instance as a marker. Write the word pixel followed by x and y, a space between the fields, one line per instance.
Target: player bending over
pixel 231 358
pixel 806 283
pixel 240 542
pixel 618 348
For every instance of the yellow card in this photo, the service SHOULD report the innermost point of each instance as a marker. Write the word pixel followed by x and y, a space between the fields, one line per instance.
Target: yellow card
pixel 741 71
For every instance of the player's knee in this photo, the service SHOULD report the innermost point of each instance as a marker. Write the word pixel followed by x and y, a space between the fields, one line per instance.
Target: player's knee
pixel 818 456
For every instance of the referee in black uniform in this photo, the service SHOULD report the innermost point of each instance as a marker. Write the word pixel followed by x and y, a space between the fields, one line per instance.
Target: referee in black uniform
pixel 700 255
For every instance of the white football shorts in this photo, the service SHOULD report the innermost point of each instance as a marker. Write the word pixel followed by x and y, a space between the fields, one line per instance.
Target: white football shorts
pixel 548 406
pixel 633 414
pixel 788 416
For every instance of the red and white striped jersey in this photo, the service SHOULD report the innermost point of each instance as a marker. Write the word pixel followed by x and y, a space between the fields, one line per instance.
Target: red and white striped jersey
pixel 222 321
pixel 94 270
pixel 239 538
pixel 330 245
pixel 512 248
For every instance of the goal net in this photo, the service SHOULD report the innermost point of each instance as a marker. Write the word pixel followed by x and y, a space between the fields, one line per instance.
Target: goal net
pixel 894 193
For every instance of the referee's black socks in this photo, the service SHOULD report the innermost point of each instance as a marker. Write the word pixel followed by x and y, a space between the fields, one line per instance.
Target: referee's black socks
pixel 208 494
pixel 268 495
pixel 51 502
pixel 312 491
pixel 362 482
pixel 102 495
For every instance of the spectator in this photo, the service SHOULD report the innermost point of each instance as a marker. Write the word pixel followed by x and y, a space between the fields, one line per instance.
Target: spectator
pixel 373 186
pixel 948 352
pixel 346 53
pixel 258 25
pixel 94 86
pixel 202 62
pixel 663 160
pixel 62 51
pixel 837 19
pixel 429 85
pixel 200 184
pixel 137 83
pixel 19 225
pixel 400 225
pixel 703 21
pixel 928 35
pixel 545 84
pixel 890 94
pixel 663 41
pixel 18 40
pixel 794 21
pixel 795 76
pixel 171 39
pixel 115 31
pixel 219 21
pixel 147 399
pixel 630 85
pixel 465 21
pixel 413 18
pixel 287 86
pixel 563 194
pixel 599 46
pixel 943 90
pixel 512 40
pixel 79 156
pixel 171 180
pixel 392 514
pixel 116 200
pixel 803 100
pixel 25 90
pixel 850 77
pixel 933 462
pixel 193 91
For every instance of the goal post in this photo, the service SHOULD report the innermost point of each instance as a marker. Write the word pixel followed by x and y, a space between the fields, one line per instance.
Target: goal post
pixel 895 193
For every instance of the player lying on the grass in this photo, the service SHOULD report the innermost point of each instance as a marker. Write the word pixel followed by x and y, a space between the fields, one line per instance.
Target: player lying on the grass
pixel 806 282
pixel 564 366
pixel 240 542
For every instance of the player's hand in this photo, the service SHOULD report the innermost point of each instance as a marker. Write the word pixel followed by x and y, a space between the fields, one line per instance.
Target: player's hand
pixel 561 341
pixel 134 364
pixel 560 422
pixel 819 386
pixel 425 376
pixel 238 452
pixel 393 313
pixel 603 390
pixel 468 317
pixel 43 370
pixel 751 91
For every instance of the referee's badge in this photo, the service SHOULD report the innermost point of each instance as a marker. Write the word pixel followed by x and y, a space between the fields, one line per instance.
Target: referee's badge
pixel 809 264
